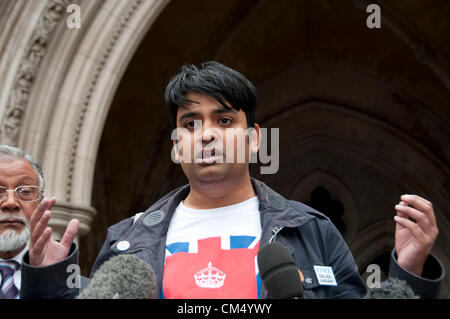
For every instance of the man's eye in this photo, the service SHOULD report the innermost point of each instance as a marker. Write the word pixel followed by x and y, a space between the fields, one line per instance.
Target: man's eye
pixel 190 124
pixel 225 120
pixel 24 191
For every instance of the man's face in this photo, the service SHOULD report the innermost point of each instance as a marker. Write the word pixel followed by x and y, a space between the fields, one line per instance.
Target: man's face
pixel 216 138
pixel 14 213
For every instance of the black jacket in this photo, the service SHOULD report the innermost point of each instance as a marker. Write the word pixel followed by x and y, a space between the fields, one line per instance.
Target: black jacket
pixel 307 234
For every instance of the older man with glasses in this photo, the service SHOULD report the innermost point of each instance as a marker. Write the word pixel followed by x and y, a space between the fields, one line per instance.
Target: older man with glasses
pixel 21 189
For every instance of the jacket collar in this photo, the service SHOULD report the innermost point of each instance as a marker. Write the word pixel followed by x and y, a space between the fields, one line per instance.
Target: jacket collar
pixel 277 208
pixel 274 208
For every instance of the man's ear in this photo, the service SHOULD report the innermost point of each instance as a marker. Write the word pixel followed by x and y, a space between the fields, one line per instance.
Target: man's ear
pixel 175 151
pixel 254 138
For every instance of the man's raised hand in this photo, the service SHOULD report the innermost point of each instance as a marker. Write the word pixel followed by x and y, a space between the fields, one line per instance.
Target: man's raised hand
pixel 414 238
pixel 44 250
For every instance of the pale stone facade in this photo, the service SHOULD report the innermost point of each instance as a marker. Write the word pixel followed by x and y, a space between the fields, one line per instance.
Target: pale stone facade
pixel 57 84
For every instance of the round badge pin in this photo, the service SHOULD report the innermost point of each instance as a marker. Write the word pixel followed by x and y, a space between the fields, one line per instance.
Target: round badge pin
pixel 153 218
pixel 123 245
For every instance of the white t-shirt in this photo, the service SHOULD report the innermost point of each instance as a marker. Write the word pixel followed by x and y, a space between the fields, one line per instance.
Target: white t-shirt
pixel 211 253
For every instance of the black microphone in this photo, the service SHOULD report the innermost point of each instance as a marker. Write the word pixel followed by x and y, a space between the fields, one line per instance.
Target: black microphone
pixel 391 288
pixel 124 276
pixel 279 272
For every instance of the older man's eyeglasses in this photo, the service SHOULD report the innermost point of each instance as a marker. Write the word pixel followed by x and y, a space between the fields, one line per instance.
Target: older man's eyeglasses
pixel 23 193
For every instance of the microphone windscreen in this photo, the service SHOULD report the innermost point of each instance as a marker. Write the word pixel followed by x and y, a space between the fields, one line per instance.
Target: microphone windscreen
pixel 279 272
pixel 391 288
pixel 125 276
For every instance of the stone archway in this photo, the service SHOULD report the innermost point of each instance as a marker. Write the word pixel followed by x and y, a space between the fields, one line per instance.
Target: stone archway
pixel 348 125
pixel 61 85
pixel 354 122
pixel 370 243
pixel 339 191
pixel 57 85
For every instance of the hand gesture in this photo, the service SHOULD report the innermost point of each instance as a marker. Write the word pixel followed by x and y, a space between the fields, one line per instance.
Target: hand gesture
pixel 45 251
pixel 414 238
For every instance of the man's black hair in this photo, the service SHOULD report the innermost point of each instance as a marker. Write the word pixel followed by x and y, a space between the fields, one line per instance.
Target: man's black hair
pixel 216 80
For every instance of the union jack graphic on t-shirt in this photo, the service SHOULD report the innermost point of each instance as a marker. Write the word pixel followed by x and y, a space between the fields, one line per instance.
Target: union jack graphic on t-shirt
pixel 219 267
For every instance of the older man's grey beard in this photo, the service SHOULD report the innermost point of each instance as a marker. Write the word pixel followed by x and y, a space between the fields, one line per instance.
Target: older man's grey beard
pixel 11 239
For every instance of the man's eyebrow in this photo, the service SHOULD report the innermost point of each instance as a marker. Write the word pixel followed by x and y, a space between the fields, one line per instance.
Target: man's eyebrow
pixel 188 115
pixel 26 179
pixel 214 112
pixel 224 110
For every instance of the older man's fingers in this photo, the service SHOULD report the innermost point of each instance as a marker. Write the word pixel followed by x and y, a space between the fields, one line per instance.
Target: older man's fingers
pixel 45 204
pixel 38 212
pixel 70 233
pixel 40 226
pixel 37 251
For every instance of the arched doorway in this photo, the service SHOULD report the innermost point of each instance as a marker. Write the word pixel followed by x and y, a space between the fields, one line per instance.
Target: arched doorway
pixel 337 108
pixel 368 107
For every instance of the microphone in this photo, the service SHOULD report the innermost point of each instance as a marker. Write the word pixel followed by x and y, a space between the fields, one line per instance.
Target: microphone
pixel 124 276
pixel 279 272
pixel 391 288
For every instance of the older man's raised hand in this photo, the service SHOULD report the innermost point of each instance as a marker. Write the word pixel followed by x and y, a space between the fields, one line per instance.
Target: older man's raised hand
pixel 44 250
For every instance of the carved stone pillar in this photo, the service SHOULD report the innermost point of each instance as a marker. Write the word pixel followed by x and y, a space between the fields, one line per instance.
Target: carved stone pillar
pixel 64 212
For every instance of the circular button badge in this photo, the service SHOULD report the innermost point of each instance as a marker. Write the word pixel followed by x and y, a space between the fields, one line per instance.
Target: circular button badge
pixel 123 245
pixel 153 218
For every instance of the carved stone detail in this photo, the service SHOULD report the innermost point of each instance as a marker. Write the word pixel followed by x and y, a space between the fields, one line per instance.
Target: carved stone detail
pixel 29 66
pixel 89 91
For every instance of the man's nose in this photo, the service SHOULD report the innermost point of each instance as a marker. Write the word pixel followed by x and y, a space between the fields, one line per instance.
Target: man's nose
pixel 209 132
pixel 10 203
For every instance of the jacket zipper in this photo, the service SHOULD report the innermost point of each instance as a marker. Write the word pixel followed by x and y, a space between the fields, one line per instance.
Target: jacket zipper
pixel 275 232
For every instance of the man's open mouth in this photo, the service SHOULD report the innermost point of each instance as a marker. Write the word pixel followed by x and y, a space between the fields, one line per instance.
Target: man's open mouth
pixel 209 156
pixel 208 153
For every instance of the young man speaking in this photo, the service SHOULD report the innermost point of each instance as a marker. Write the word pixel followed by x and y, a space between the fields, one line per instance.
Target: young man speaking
pixel 202 239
